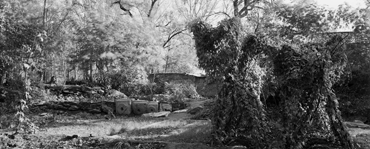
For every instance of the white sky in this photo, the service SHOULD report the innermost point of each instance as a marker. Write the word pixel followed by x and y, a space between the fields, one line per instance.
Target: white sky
pixel 335 3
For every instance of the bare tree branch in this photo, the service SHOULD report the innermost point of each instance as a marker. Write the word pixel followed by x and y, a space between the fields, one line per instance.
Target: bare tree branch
pixel 236 8
pixel 171 36
pixel 65 17
pixel 168 23
pixel 195 9
pixel 61 22
pixel 44 15
pixel 247 6
pixel 122 7
pixel 151 7
pixel 222 12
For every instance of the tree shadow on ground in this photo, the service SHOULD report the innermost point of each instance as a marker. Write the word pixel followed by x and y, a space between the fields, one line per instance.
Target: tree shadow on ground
pixel 196 132
pixel 197 136
pixel 60 124
pixel 190 134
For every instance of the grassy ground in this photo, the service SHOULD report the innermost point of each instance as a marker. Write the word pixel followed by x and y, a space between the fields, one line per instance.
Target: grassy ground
pixel 134 128
pixel 94 131
pixel 177 131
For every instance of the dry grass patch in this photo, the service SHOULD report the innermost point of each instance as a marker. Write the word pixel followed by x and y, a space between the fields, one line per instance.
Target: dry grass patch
pixel 196 132
pixel 150 129
pixel 123 128
pixel 127 128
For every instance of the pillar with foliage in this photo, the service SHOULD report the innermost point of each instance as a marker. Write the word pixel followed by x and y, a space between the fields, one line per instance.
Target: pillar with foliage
pixel 226 54
pixel 306 75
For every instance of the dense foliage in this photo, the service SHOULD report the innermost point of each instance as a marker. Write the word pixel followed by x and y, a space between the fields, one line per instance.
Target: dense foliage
pixel 305 77
pixel 286 69
pixel 239 115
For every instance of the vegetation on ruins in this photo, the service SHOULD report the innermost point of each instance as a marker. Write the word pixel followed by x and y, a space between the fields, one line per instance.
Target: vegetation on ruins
pixel 290 75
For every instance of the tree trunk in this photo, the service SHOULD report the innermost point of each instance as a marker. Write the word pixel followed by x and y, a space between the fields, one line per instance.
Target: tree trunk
pixel 166 65
pixel 91 72
pixel 236 8
pixel 44 15
pixel 75 71
pixel 167 59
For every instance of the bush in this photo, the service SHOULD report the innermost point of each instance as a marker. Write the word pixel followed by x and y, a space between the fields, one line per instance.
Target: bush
pixel 181 89
pixel 131 89
pixel 38 94
pixel 159 88
pixel 118 79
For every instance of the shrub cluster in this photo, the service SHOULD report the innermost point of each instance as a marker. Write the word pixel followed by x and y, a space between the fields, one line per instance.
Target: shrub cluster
pixel 181 89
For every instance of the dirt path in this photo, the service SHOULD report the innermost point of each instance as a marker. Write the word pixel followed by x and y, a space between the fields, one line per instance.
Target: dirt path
pixel 360 132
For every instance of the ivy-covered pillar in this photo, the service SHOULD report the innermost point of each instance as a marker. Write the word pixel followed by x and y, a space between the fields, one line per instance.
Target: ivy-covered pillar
pixel 311 117
pixel 228 55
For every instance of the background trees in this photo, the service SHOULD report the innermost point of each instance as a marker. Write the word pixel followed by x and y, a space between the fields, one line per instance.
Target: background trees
pixel 118 42
pixel 87 37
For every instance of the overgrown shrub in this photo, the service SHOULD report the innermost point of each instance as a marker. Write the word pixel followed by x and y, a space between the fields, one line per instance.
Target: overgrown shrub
pixel 117 79
pixel 38 94
pixel 181 89
pixel 159 88
pixel 131 89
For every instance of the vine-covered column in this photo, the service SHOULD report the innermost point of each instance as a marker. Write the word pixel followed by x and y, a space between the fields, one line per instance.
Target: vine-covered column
pixel 226 54
pixel 311 115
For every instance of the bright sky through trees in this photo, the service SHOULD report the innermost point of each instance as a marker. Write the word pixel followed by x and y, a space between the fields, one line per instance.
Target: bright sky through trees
pixel 335 3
